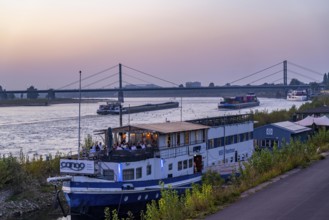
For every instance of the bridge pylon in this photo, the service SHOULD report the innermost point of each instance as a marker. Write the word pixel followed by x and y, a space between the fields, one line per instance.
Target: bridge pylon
pixel 285 70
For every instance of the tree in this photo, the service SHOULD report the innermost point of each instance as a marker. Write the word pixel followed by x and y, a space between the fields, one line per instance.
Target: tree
pixel 3 94
pixel 51 94
pixel 211 84
pixel 295 82
pixel 181 86
pixel 32 93
pixel 325 79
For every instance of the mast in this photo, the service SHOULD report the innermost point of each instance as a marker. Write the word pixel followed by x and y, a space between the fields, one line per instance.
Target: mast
pixel 181 109
pixel 79 115
pixel 120 93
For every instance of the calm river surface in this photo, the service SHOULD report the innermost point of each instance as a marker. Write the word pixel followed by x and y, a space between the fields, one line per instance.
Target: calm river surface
pixel 44 130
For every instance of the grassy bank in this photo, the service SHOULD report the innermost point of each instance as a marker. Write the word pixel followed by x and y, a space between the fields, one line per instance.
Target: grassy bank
pixel 18 172
pixel 23 187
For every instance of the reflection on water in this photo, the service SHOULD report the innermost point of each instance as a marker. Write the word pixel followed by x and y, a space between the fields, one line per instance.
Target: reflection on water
pixel 42 130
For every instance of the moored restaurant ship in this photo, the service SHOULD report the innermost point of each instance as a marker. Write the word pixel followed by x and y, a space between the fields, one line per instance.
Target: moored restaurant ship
pixel 238 102
pixel 142 159
pixel 297 95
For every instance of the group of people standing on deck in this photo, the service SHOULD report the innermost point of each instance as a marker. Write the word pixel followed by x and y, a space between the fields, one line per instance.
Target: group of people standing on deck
pixel 127 146
pixel 97 146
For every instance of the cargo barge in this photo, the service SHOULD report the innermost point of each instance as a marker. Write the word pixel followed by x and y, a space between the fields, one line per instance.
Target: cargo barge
pixel 238 102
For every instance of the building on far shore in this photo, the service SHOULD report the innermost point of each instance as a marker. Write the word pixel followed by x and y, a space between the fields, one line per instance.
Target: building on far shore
pixel 193 84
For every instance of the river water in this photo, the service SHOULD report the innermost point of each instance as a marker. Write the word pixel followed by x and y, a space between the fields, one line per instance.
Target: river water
pixel 44 130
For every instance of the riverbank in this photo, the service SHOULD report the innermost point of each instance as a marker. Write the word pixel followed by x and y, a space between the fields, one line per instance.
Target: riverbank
pixel 45 102
pixel 36 198
pixel 23 186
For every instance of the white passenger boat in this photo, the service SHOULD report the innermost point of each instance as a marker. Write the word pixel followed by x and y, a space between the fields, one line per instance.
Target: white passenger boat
pixel 297 95
pixel 141 159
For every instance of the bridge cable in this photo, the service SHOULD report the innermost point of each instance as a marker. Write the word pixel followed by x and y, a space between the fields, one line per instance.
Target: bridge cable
pixel 256 73
pixel 137 78
pixel 110 84
pixel 265 76
pixel 131 84
pixel 88 77
pixel 150 75
pixel 302 75
pixel 277 80
pixel 305 68
pixel 100 80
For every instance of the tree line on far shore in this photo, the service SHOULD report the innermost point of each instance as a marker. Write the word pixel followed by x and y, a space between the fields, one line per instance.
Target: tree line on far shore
pixel 31 93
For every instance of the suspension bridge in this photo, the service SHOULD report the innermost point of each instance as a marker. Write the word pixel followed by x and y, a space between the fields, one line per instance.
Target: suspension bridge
pixel 120 78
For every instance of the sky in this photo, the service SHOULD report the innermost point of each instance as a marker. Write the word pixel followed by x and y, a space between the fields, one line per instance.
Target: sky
pixel 45 43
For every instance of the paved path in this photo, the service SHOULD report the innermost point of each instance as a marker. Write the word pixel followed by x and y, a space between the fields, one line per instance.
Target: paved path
pixel 302 195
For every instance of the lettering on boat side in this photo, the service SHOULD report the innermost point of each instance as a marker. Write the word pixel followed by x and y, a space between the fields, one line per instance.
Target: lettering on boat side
pixel 227 151
pixel 77 166
pixel 73 166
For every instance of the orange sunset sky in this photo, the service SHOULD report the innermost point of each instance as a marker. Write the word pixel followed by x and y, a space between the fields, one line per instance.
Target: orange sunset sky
pixel 45 43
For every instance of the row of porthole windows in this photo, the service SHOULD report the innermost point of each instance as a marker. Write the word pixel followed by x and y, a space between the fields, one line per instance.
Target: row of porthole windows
pixel 185 164
pixel 126 198
pixel 241 157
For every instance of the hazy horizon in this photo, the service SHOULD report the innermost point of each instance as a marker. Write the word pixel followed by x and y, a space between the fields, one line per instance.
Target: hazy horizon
pixel 46 43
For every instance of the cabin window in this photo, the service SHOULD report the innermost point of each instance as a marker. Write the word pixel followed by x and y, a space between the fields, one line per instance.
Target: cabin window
pixel 170 166
pixel 178 139
pixel 138 173
pixel 211 143
pixel 237 138
pixel 227 140
pixel 203 135
pixel 220 142
pixel 242 137
pixel 196 149
pixel 263 143
pixel 190 163
pixel 187 137
pixel 148 170
pixel 180 165
pixel 215 142
pixel 196 137
pixel 168 140
pixel 185 164
pixel 128 174
pixel 108 174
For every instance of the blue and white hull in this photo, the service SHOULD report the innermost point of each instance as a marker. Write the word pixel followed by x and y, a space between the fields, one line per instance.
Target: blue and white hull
pixel 104 193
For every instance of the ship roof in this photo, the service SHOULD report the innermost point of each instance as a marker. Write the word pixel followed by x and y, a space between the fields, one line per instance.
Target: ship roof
pixel 165 128
pixel 292 127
